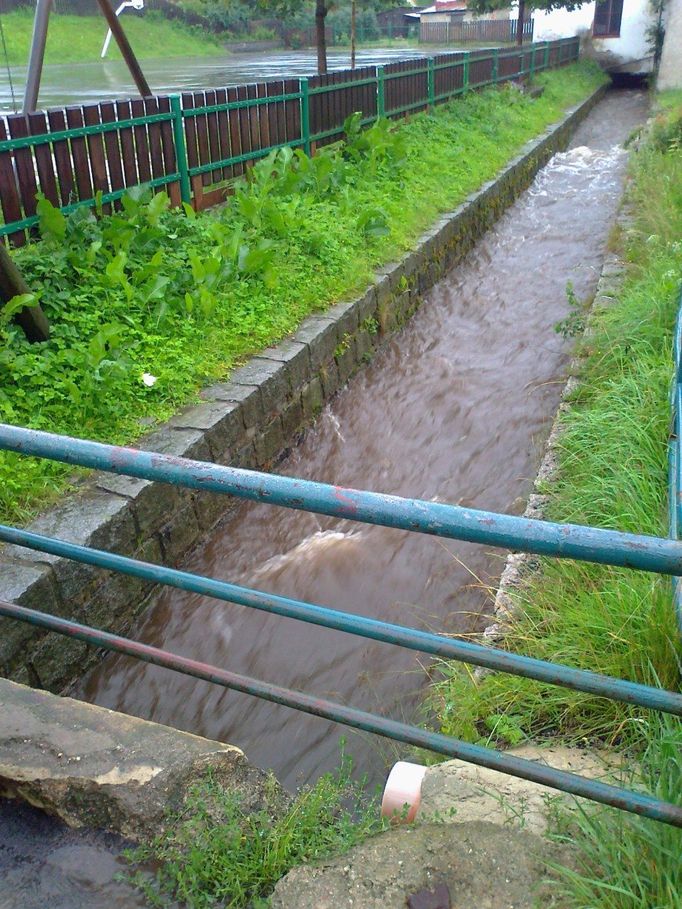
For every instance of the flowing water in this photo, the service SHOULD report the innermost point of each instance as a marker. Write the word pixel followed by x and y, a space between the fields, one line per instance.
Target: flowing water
pixel 454 408
pixel 84 83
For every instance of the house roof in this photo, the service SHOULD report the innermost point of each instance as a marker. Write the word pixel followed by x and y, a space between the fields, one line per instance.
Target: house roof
pixel 442 6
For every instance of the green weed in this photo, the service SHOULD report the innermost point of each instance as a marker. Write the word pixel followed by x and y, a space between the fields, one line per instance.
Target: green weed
pixel 216 854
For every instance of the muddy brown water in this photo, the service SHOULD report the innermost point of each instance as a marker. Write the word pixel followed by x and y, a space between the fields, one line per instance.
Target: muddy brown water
pixel 454 408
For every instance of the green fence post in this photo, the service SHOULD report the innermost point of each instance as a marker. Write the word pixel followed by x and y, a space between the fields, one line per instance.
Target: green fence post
pixel 465 78
pixel 496 65
pixel 381 98
pixel 181 149
pixel 431 81
pixel 305 114
pixel 545 62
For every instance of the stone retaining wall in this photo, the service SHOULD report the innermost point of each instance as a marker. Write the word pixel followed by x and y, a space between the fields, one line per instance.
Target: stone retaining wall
pixel 250 421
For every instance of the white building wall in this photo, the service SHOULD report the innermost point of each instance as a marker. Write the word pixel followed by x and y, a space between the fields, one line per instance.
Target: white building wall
pixel 670 72
pixel 628 53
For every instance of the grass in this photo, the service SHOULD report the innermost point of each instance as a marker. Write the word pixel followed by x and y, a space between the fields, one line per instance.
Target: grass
pixel 216 854
pixel 79 39
pixel 623 862
pixel 612 473
pixel 146 291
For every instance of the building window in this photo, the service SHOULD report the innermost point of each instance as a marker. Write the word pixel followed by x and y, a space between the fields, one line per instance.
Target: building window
pixel 607 16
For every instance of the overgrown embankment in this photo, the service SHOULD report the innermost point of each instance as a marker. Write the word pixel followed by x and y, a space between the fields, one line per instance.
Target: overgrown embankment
pixel 79 39
pixel 147 305
pixel 612 472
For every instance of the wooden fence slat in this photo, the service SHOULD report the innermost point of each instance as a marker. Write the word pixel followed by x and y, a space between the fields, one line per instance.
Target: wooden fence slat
pixel 202 138
pixel 244 125
pixel 112 147
pixel 79 155
pixel 292 112
pixel 275 89
pixel 223 127
pixel 151 107
pixel 262 91
pixel 213 136
pixel 45 164
pixel 127 145
pixel 9 193
pixel 95 146
pixel 23 162
pixel 256 144
pixel 141 142
pixel 235 132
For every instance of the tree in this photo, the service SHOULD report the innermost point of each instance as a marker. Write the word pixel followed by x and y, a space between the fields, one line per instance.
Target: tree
pixel 286 8
pixel 488 6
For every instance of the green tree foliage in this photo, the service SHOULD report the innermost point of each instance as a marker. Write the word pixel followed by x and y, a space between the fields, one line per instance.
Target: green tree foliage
pixel 288 10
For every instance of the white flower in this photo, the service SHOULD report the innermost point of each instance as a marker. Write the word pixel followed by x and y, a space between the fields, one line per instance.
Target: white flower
pixel 148 379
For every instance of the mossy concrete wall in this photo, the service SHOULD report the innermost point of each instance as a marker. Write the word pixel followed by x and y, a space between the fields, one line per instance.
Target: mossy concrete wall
pixel 250 421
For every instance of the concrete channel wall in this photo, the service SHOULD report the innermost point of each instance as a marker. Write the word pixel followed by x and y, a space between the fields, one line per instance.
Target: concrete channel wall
pixel 250 421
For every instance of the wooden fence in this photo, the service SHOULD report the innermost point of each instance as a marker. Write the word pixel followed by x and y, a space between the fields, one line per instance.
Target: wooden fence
pixel 476 30
pixel 194 145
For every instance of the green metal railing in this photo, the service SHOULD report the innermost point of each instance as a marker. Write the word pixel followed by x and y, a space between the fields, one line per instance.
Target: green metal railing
pixel 453 522
pixel 675 457
pixel 460 65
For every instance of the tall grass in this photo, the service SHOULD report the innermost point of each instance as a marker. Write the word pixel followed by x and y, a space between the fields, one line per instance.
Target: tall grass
pixel 215 853
pixel 612 456
pixel 625 862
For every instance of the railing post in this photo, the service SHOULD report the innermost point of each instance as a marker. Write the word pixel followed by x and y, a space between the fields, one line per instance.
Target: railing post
pixel 181 149
pixel 305 115
pixel 496 65
pixel 545 63
pixel 381 97
pixel 465 76
pixel 430 82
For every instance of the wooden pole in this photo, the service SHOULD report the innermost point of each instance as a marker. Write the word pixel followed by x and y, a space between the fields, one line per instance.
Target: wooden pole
pixel 31 318
pixel 125 48
pixel 36 55
pixel 353 12
pixel 321 38
pixel 519 23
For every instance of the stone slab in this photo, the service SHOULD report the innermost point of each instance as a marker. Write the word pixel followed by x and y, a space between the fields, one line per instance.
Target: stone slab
pixel 94 767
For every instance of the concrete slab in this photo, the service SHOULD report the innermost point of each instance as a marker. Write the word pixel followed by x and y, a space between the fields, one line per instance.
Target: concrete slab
pixel 92 766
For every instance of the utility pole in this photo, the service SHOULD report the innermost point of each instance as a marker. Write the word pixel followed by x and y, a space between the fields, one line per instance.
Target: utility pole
pixel 36 55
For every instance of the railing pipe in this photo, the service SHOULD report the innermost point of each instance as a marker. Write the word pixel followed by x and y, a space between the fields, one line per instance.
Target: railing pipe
pixel 570 541
pixel 633 802
pixel 181 149
pixel 410 638
pixel 305 116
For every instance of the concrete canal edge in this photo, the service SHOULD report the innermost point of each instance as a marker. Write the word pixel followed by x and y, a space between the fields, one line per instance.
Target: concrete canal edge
pixel 250 421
